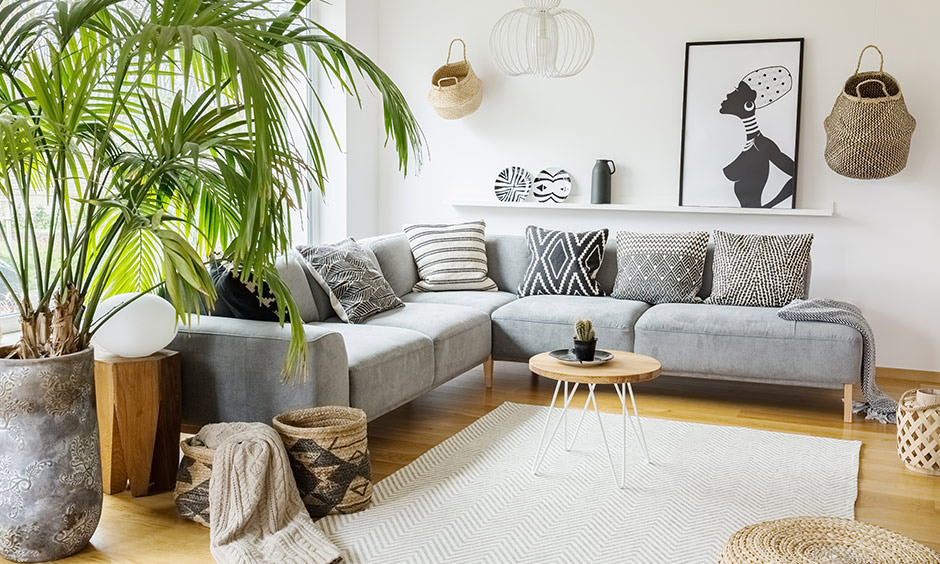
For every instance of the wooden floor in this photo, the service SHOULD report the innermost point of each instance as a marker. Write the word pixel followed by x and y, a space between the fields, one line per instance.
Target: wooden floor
pixel 147 530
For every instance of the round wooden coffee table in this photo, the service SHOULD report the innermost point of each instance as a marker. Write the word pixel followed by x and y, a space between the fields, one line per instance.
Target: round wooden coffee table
pixel 624 370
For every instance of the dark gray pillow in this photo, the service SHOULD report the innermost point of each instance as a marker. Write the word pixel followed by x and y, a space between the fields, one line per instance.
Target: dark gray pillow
pixel 353 281
pixel 563 263
pixel 760 270
pixel 660 268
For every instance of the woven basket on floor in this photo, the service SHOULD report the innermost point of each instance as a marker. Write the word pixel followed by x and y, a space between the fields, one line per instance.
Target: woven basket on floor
pixel 822 539
pixel 192 482
pixel 919 434
pixel 456 91
pixel 868 133
pixel 329 455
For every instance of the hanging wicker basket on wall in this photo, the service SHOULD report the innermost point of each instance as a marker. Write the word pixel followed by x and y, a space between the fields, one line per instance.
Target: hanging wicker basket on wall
pixel 919 434
pixel 456 91
pixel 868 133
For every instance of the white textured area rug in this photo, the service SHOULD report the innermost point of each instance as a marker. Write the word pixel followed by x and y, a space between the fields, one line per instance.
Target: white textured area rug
pixel 474 499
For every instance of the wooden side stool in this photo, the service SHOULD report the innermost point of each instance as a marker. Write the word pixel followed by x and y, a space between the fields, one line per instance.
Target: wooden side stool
pixel 139 405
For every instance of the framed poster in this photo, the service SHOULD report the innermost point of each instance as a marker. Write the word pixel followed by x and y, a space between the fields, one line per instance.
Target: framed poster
pixel 741 123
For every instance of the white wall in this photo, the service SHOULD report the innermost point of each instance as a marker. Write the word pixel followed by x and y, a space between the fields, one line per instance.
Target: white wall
pixel 880 251
pixel 351 203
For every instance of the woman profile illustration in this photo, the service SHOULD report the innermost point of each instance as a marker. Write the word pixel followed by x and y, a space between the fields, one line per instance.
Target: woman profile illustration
pixel 751 169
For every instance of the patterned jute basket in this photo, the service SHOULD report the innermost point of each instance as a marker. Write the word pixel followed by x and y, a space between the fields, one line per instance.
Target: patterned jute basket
pixel 822 539
pixel 868 133
pixel 456 91
pixel 192 482
pixel 329 456
pixel 919 434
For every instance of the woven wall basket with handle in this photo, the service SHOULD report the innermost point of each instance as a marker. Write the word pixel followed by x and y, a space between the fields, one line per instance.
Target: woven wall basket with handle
pixel 456 91
pixel 329 456
pixel 868 133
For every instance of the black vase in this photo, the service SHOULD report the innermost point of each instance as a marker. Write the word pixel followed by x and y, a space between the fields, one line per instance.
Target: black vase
pixel 600 181
pixel 584 350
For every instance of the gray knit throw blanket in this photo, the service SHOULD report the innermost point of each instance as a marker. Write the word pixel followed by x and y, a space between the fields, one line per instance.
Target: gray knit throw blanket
pixel 877 404
pixel 255 511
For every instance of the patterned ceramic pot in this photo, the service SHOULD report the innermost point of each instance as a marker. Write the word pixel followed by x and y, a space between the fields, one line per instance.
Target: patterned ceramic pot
pixel 50 467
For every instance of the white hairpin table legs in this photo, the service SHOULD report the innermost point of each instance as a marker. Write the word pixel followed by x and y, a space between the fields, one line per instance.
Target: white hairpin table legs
pixel 635 423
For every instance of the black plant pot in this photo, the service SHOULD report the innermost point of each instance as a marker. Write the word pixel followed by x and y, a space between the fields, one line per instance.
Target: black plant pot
pixel 584 350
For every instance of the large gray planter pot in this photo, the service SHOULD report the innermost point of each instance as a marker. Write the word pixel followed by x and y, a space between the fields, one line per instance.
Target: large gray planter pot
pixel 50 466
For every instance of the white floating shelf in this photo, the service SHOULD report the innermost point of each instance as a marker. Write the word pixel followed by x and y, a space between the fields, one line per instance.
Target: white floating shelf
pixel 827 211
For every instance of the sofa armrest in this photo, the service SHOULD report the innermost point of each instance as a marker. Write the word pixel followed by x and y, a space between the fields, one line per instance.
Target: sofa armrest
pixel 233 368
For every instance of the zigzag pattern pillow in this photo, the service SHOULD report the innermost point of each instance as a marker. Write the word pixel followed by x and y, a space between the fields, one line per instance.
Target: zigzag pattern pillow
pixel 563 263
pixel 354 283
pixel 760 270
pixel 660 268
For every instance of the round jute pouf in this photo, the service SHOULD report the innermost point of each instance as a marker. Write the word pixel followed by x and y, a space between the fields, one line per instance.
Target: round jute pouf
pixel 822 540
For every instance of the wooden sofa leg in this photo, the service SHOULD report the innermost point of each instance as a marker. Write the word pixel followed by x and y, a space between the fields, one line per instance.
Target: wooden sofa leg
pixel 488 372
pixel 847 403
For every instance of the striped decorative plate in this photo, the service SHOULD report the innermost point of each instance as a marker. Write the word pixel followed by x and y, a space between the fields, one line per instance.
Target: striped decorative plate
pixel 513 184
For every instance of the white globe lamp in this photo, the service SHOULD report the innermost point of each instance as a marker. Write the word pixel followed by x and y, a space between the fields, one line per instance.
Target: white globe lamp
pixel 141 328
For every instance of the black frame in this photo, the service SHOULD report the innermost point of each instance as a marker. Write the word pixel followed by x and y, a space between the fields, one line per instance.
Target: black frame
pixel 799 106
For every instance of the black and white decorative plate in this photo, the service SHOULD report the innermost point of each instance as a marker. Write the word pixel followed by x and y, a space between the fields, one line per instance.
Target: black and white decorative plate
pixel 513 184
pixel 552 185
pixel 566 356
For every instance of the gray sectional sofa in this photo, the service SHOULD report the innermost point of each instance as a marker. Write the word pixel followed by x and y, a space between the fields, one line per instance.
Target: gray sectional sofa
pixel 232 367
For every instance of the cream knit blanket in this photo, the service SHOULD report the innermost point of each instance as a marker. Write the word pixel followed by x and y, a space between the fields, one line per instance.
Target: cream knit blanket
pixel 255 511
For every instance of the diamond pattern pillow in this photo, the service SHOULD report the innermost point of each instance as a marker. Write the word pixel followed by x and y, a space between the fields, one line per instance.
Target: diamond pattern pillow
pixel 760 270
pixel 660 268
pixel 563 263
pixel 354 283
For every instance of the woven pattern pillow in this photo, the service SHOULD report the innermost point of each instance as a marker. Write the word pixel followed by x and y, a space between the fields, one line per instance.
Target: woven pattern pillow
pixel 660 268
pixel 760 270
pixel 563 263
pixel 354 283
pixel 450 257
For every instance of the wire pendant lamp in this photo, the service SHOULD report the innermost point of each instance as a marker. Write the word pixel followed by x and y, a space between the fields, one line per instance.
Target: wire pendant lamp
pixel 542 40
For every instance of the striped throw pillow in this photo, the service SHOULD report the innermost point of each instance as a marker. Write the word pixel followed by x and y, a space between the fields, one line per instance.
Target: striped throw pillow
pixel 450 257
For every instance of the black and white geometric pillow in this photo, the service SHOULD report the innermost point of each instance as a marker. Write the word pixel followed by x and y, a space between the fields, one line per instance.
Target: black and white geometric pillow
pixel 239 298
pixel 660 268
pixel 450 257
pixel 563 263
pixel 760 270
pixel 552 185
pixel 356 288
pixel 513 184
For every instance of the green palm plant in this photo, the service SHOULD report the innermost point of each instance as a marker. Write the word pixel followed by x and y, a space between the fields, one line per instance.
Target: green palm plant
pixel 156 134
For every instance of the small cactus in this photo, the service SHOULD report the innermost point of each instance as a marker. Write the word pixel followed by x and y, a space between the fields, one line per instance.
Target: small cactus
pixel 583 331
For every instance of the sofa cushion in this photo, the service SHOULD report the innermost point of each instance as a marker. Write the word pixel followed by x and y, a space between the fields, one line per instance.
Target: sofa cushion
pixel 462 336
pixel 450 257
pixel 292 268
pixel 563 262
pixel 396 261
pixel 239 298
pixel 759 270
pixel 351 276
pixel 487 302
pixel 660 267
pixel 388 367
pixel 536 324
pixel 748 343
